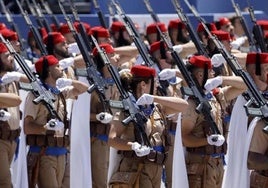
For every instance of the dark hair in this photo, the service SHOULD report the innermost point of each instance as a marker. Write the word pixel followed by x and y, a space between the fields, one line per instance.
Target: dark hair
pixel 50 44
pixel 44 73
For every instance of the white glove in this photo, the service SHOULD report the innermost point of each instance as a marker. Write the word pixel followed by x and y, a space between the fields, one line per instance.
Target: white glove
pixel 213 83
pixel 217 60
pixel 178 48
pixel 238 42
pixel 104 117
pixel 215 139
pixel 54 124
pixel 4 115
pixel 167 74
pixel 63 82
pixel 11 77
pixel 73 48
pixel 140 150
pixel 66 62
pixel 145 99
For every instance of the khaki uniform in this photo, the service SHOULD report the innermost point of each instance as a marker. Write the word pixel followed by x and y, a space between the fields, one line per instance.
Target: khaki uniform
pixel 9 132
pixel 99 147
pixel 152 164
pixel 46 157
pixel 259 144
pixel 205 164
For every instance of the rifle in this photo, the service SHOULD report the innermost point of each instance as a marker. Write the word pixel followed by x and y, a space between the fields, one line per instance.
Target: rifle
pixel 40 18
pixel 244 26
pixel 132 31
pixel 199 46
pixel 81 28
pixel 150 10
pixel 30 7
pixel 13 25
pixel 34 30
pixel 255 97
pixel 50 13
pixel 257 31
pixel 135 115
pixel 39 91
pixel 94 78
pixel 203 106
pixel 100 14
pixel 111 12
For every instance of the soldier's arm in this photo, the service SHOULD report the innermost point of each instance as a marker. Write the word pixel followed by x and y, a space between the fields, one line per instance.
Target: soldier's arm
pixel 30 126
pixel 9 100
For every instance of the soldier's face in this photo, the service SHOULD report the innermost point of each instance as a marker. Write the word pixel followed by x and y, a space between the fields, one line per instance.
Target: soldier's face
pixel 7 61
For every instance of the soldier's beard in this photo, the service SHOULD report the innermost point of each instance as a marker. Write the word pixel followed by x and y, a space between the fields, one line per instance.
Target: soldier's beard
pixel 61 53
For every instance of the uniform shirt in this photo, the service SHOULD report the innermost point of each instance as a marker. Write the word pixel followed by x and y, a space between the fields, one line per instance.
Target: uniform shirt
pixel 40 113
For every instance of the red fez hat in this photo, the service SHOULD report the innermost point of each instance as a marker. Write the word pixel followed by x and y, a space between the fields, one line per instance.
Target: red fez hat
pixel 224 21
pixel 53 27
pixel 252 58
pixel 3 26
pixel 175 24
pixel 117 26
pixel 100 31
pixel 42 31
pixel 156 46
pixel 107 48
pixel 9 34
pixel 64 29
pixel 86 26
pixel 142 71
pixel 222 35
pixel 200 61
pixel 3 48
pixel 153 29
pixel 51 60
pixel 57 38
pixel 263 24
pixel 211 27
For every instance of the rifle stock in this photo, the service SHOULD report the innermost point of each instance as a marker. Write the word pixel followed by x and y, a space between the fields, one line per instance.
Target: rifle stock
pixel 100 14
pixel 193 35
pixel 135 115
pixel 257 31
pixel 244 26
pixel 33 29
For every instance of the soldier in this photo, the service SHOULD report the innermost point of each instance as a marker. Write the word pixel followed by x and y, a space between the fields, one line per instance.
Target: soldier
pixel 10 115
pixel 139 159
pixel 46 135
pixel 100 118
pixel 152 34
pixel 205 150
pixel 257 155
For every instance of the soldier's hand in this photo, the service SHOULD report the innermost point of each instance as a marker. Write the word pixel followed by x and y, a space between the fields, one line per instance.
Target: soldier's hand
pixel 215 139
pixel 104 117
pixel 145 99
pixel 54 124
pixel 139 149
pixel 11 77
pixel 213 83
pixel 167 74
pixel 73 48
pixel 63 82
pixel 217 60
pixel 66 62
pixel 4 115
